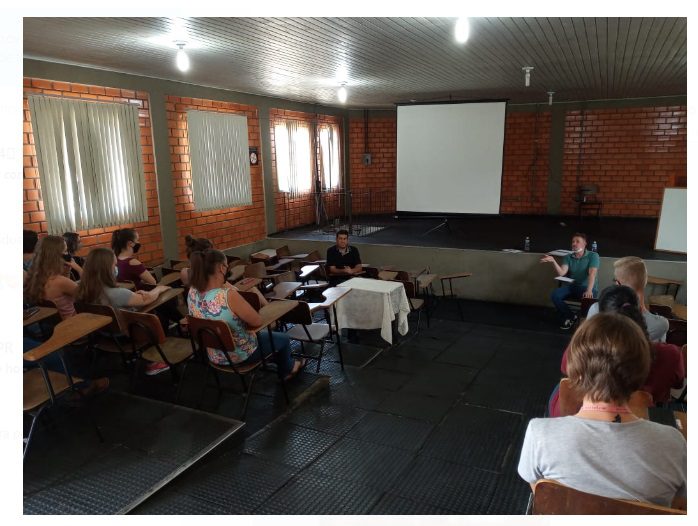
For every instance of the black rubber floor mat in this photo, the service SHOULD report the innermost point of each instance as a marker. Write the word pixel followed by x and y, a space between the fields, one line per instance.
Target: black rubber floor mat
pixel 440 380
pixel 333 419
pixel 391 430
pixel 313 493
pixel 477 437
pixel 380 378
pixel 392 362
pixel 363 462
pixel 394 505
pixel 363 396
pixel 416 405
pixel 448 486
pixel 174 503
pixel 470 351
pixel 289 444
pixel 238 484
pixel 152 443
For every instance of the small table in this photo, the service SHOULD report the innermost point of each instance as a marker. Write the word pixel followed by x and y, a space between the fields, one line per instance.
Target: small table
pixel 374 304
pixel 164 297
pixel 41 314
pixel 66 332
pixel 283 290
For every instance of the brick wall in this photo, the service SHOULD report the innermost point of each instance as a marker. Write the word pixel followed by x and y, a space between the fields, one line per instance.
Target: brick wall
pixel 373 187
pixel 299 211
pixel 526 163
pixel 227 227
pixel 632 154
pixel 34 218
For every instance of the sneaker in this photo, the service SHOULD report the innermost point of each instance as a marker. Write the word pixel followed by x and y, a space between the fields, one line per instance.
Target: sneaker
pixel 567 325
pixel 156 368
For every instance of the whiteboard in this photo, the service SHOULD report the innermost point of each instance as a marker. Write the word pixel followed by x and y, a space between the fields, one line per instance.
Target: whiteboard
pixel 672 229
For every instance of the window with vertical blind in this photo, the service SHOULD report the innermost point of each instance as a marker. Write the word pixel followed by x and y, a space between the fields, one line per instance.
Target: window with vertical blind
pixel 220 163
pixel 90 163
pixel 296 164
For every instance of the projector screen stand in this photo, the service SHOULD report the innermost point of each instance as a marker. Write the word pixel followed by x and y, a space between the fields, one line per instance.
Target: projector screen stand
pixel 444 223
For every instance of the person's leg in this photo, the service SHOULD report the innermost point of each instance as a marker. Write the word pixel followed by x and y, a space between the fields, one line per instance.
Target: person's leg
pixel 282 346
pixel 559 296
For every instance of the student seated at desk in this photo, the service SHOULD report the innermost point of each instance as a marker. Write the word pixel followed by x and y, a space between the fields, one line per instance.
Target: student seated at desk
pixel 46 279
pixel 125 245
pixel 212 297
pixel 605 449
pixel 343 260
pixel 72 242
pixel 193 244
pixel 98 285
pixel 666 364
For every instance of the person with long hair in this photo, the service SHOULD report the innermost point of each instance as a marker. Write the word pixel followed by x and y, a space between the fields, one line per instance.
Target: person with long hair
pixel 666 363
pixel 193 244
pixel 124 243
pixel 605 449
pixel 212 297
pixel 46 280
pixel 75 262
pixel 98 285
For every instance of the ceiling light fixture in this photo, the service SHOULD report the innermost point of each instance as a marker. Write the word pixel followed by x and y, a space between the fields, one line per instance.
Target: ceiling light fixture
pixel 182 57
pixel 550 98
pixel 342 94
pixel 527 76
pixel 462 30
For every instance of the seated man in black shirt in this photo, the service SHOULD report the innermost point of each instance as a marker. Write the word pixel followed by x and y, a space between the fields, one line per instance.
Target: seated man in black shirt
pixel 343 261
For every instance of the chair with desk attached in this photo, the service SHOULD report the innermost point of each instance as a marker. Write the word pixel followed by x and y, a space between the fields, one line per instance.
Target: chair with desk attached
pixel 587 199
pixel 110 338
pixel 553 498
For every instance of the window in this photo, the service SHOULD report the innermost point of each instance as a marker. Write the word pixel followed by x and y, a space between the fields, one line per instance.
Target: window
pixel 90 163
pixel 329 156
pixel 220 163
pixel 293 162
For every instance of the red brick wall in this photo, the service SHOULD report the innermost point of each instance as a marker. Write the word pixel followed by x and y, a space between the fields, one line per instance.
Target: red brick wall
pixel 292 213
pixel 632 154
pixel 526 163
pixel 227 227
pixel 379 179
pixel 34 218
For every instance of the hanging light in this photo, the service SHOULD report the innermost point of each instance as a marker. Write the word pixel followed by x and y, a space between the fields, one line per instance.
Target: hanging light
pixel 462 30
pixel 182 57
pixel 342 94
pixel 550 98
pixel 527 75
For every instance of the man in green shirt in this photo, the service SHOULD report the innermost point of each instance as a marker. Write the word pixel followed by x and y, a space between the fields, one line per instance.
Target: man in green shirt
pixel 582 266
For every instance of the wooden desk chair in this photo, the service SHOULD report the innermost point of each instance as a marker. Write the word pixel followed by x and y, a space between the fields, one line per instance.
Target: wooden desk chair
pixel 416 304
pixel 552 498
pixel 661 310
pixel 305 330
pixel 331 297
pixel 283 252
pixel 263 258
pixel 283 290
pixel 684 354
pixel 42 388
pixel 108 338
pixel 150 344
pixel 571 401
pixel 313 256
pixel 251 298
pixel 587 198
pixel 666 285
pixel 216 334
pixel 259 270
pixel 233 260
pixel 449 278
pixel 371 272
pixel 677 333
pixel 316 274
pixel 174 263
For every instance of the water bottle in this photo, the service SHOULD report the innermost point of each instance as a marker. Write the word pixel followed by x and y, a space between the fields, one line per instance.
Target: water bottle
pixel 527 244
pixel 594 246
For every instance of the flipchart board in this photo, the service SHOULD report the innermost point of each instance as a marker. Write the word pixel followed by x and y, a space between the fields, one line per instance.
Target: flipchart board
pixel 673 222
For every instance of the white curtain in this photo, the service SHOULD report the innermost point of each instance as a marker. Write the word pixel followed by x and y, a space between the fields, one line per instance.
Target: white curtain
pixel 220 163
pixel 329 156
pixel 292 147
pixel 90 163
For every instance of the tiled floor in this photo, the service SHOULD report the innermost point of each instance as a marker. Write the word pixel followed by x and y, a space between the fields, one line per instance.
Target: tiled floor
pixel 431 426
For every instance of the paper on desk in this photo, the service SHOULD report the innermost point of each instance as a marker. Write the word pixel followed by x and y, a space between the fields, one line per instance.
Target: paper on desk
pixel 565 279
pixel 559 252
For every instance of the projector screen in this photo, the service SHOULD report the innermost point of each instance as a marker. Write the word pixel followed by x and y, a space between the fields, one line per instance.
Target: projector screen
pixel 449 157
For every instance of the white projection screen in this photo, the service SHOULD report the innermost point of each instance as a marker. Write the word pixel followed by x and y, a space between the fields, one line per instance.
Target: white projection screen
pixel 449 157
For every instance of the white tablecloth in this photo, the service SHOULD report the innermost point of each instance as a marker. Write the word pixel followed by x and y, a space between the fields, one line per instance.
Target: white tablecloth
pixel 374 304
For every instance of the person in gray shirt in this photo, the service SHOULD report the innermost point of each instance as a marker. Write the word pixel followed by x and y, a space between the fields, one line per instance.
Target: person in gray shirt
pixel 605 449
pixel 632 272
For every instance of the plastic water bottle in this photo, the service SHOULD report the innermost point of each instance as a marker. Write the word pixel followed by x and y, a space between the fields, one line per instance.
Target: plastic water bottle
pixel 594 246
pixel 527 244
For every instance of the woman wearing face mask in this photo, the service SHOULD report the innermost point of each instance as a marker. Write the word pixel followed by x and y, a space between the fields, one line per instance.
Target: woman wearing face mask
pixel 72 242
pixel 125 244
pixel 212 297
pixel 46 279
pixel 98 285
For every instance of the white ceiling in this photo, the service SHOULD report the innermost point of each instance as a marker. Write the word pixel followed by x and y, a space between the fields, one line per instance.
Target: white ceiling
pixel 387 60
